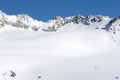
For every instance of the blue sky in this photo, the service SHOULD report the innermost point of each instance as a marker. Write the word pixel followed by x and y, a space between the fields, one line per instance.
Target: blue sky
pixel 47 9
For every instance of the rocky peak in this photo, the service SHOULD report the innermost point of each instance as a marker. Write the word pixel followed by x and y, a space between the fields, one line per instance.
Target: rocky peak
pixel 57 22
pixel 24 17
pixel 114 25
pixel 2 19
pixel 2 14
pixel 92 19
pixel 75 19
pixel 19 21
pixel 57 18
pixel 54 24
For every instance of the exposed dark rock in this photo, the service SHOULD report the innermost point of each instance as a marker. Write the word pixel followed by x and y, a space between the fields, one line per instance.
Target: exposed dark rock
pixel 114 25
pixel 116 77
pixel 91 19
pixel 39 77
pixel 12 74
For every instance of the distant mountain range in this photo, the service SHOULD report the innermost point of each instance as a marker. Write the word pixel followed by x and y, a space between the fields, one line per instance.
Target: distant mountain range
pixel 24 21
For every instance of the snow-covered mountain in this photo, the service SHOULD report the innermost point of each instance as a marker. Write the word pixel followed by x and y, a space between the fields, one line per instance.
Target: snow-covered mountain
pixel 70 48
pixel 26 22
pixel 19 21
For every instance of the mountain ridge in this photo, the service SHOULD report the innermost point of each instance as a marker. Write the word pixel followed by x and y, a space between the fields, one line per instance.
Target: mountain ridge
pixel 27 22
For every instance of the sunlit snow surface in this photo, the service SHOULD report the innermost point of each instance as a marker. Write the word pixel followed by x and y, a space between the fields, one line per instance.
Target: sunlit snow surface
pixel 72 53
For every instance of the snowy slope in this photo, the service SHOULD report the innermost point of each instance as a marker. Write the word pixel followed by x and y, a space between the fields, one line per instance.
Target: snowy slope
pixel 76 48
